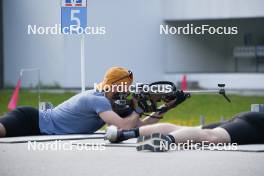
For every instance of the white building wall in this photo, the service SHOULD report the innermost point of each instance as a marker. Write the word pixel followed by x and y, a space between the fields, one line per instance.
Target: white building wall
pixel 208 59
pixel 212 53
pixel 212 9
pixel 132 40
pixel 233 81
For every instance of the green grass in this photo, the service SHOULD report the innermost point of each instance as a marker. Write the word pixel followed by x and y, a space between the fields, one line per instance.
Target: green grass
pixel 212 107
pixel 188 113
pixel 31 98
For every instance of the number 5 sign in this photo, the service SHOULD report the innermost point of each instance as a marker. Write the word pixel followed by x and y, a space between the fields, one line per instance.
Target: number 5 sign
pixel 73 13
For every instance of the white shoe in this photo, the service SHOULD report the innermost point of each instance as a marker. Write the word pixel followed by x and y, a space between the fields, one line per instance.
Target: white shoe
pixel 111 133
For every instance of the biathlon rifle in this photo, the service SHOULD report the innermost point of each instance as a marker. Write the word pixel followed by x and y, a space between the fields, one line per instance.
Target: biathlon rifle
pixel 148 96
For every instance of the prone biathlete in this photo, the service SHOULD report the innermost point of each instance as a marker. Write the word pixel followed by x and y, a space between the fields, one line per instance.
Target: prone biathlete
pixel 243 128
pixel 83 113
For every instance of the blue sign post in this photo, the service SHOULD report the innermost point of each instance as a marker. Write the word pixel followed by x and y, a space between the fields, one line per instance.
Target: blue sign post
pixel 74 17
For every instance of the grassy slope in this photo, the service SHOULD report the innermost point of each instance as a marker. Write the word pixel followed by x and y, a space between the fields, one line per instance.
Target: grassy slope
pixel 210 106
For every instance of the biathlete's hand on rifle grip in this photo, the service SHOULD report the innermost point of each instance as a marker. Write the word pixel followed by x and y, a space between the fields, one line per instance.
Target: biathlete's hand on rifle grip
pixel 180 97
pixel 136 108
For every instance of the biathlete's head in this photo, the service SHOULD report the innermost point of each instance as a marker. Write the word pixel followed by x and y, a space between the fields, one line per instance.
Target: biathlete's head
pixel 116 79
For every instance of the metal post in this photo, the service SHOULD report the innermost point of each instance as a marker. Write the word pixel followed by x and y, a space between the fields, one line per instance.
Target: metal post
pixel 82 64
pixel 31 70
pixel 202 120
pixel 222 119
pixel 257 107
pixel 39 85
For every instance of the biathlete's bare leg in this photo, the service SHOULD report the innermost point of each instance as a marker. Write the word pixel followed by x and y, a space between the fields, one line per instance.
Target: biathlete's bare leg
pixel 155 141
pixel 216 135
pixel 163 128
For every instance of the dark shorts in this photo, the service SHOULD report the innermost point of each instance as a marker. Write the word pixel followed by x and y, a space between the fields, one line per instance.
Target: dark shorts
pixel 244 128
pixel 22 121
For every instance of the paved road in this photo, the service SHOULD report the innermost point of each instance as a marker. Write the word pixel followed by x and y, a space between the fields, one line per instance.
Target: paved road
pixel 16 159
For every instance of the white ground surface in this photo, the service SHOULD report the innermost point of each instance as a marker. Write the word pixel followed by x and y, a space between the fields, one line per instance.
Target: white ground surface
pixel 16 159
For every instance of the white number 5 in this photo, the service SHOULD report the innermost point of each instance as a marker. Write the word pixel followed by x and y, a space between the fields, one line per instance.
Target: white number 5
pixel 74 18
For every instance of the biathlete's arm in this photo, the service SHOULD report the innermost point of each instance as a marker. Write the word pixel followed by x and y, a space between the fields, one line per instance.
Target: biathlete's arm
pixel 112 118
pixel 151 119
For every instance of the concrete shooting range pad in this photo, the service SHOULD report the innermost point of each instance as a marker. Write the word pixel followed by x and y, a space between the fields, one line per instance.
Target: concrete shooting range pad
pixel 98 137
pixel 46 138
pixel 122 159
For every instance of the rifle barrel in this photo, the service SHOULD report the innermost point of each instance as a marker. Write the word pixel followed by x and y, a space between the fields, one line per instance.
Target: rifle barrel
pixel 201 91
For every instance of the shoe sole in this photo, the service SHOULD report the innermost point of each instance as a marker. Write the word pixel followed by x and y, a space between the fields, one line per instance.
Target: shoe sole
pixel 152 143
